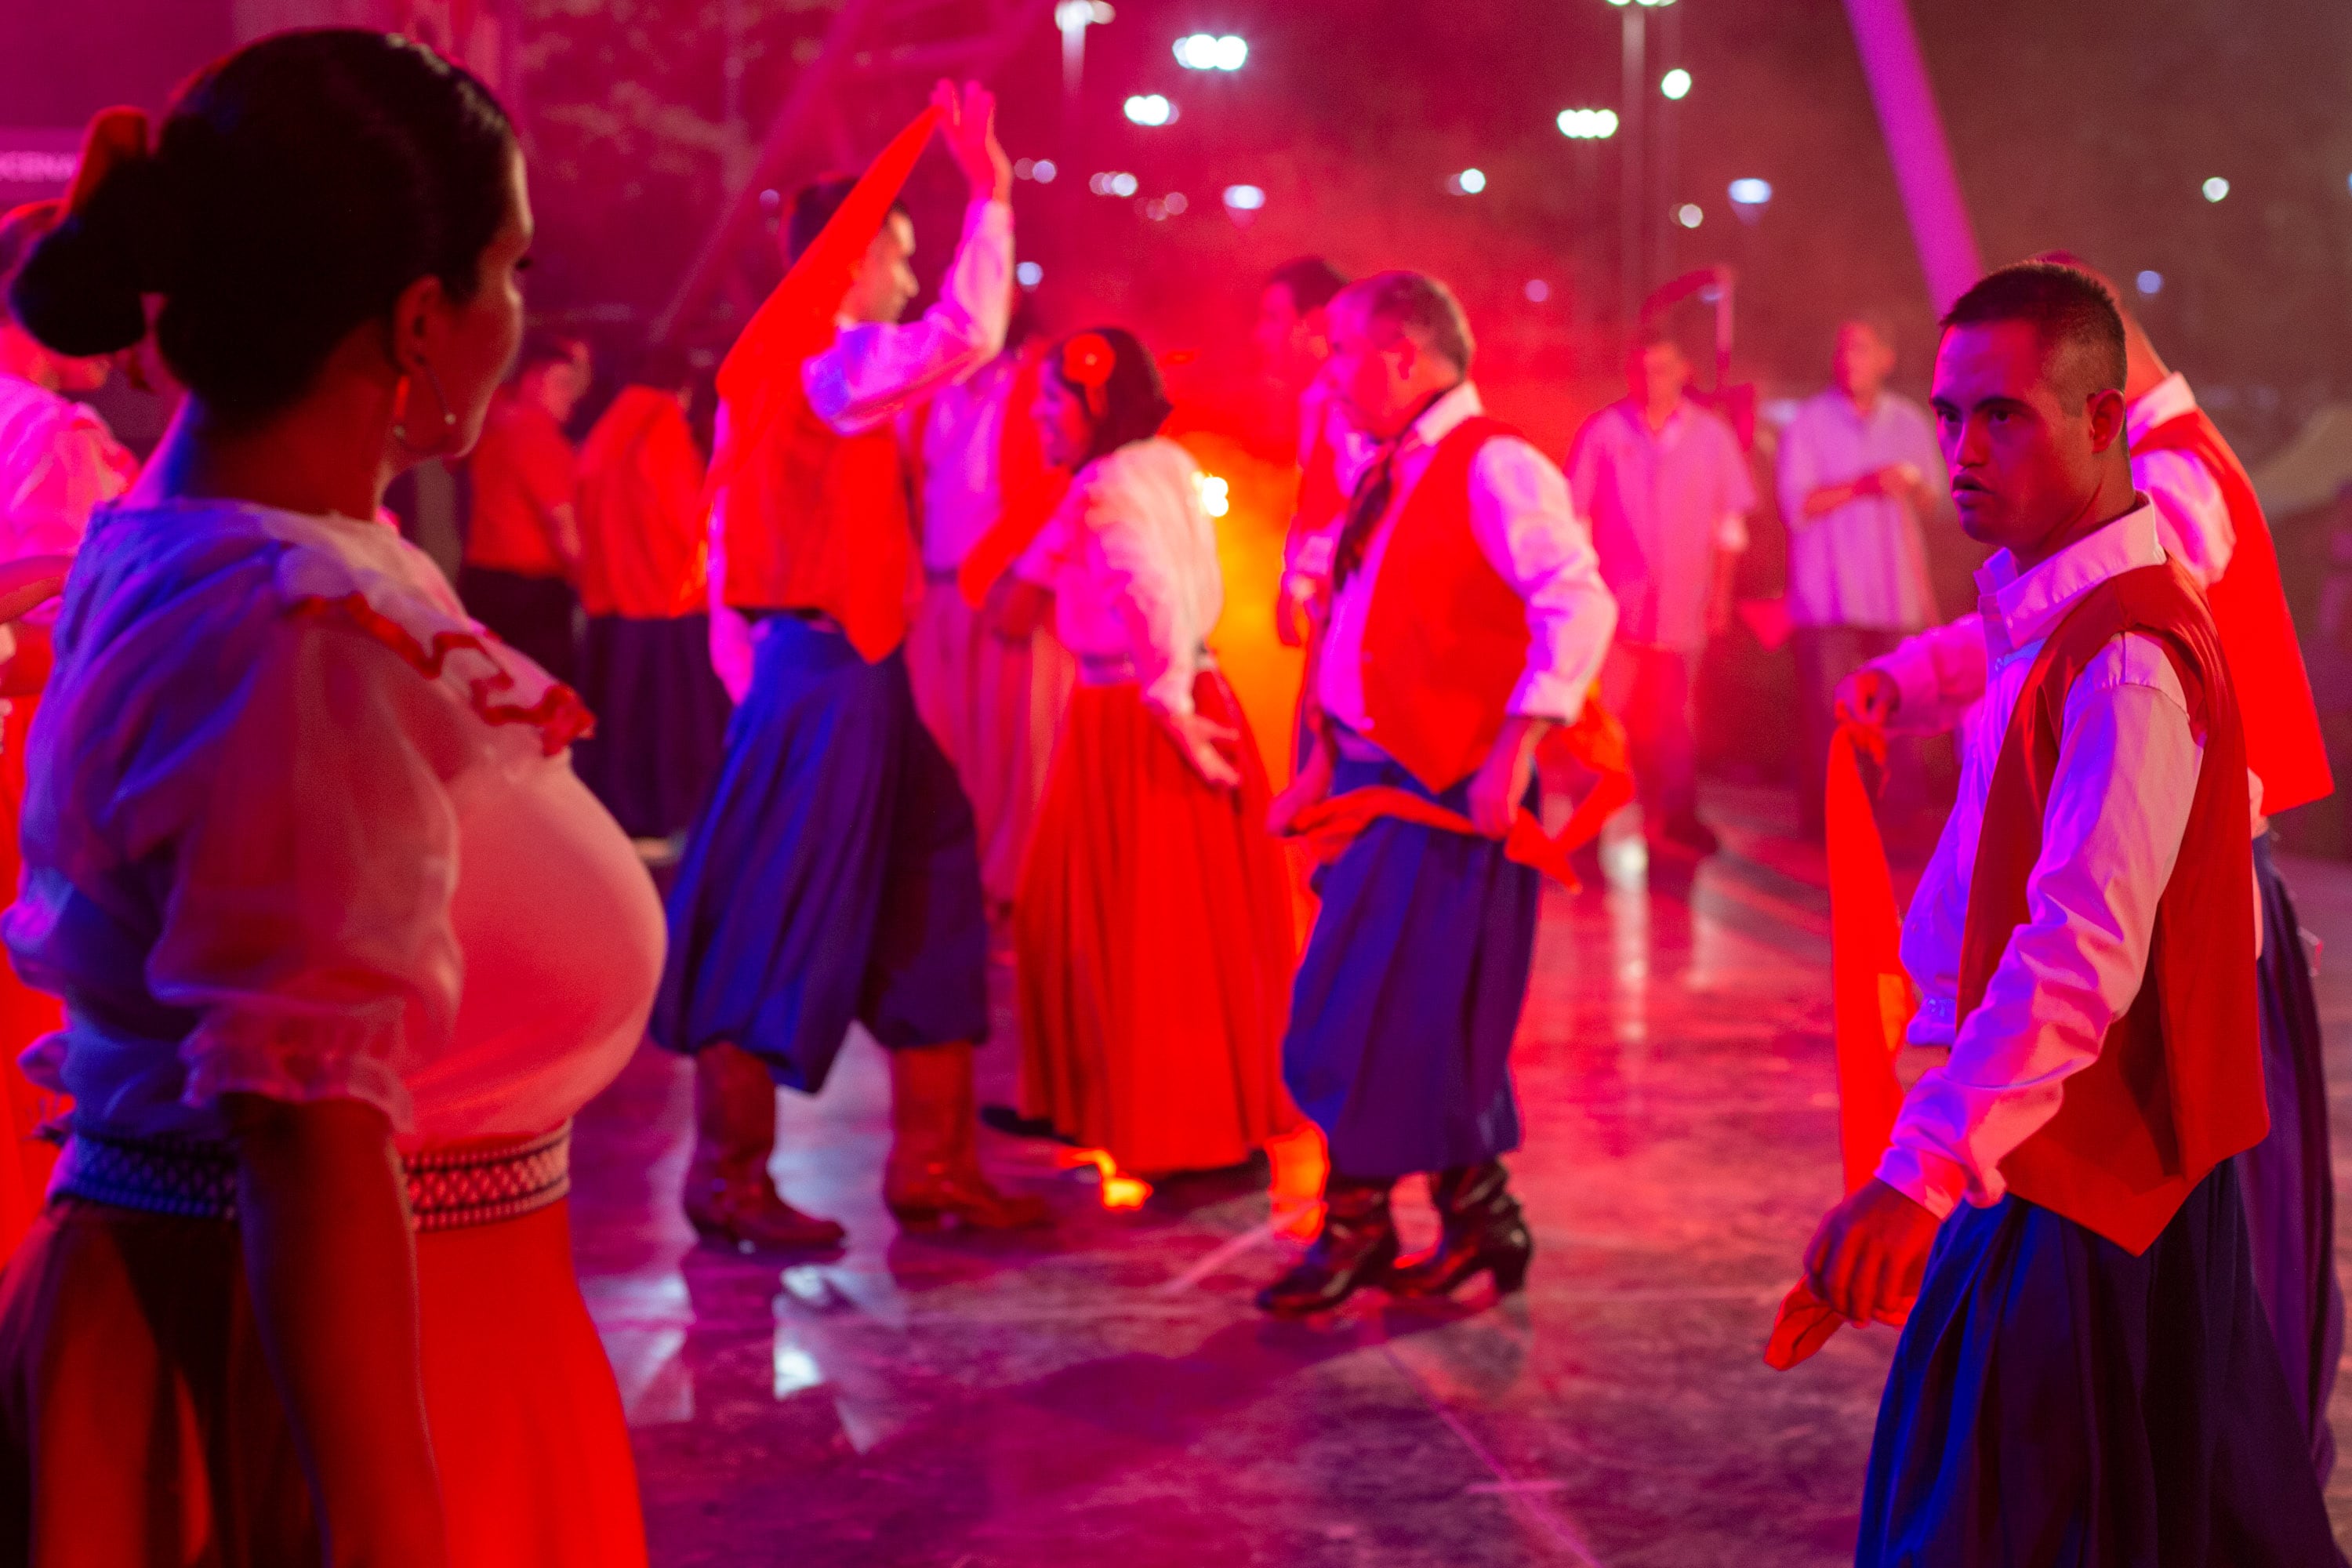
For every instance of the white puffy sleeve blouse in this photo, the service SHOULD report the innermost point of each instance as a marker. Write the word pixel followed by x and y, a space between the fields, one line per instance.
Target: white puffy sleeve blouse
pixel 1131 558
pixel 296 827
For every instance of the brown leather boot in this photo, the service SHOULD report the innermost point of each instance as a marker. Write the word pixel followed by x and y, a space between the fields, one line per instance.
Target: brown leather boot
pixel 729 1197
pixel 933 1175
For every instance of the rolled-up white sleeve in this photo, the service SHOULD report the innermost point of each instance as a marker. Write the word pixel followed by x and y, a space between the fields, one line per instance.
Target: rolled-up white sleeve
pixel 1939 672
pixel 308 925
pixel 1528 530
pixel 875 371
pixel 2118 805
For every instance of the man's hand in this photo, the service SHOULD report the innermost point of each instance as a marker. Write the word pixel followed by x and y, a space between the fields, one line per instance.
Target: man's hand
pixel 968 124
pixel 1871 1252
pixel 1868 697
pixel 1313 784
pixel 1503 778
pixel 1204 741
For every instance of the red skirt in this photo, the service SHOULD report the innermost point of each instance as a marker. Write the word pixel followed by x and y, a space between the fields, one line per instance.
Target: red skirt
pixel 1155 943
pixel 138 1422
pixel 25 1014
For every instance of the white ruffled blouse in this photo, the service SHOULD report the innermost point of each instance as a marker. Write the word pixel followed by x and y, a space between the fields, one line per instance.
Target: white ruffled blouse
pixel 1131 558
pixel 296 827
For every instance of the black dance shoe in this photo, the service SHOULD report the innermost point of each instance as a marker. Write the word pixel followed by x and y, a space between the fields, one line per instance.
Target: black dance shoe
pixel 1358 1243
pixel 1484 1230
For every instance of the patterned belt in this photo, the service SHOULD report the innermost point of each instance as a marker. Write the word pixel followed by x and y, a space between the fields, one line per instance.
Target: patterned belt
pixel 448 1188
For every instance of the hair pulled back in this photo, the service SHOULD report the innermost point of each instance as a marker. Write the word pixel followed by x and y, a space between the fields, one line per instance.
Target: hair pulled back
pixel 1133 400
pixel 298 187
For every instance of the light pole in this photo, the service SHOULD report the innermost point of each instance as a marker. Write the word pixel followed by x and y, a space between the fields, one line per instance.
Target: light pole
pixel 1633 197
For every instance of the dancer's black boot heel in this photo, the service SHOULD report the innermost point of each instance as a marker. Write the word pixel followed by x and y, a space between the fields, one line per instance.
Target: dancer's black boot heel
pixel 1483 1230
pixel 1356 1249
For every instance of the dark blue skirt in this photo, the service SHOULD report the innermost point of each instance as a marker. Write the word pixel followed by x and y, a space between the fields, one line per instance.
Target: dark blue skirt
pixel 2289 1178
pixel 2058 1403
pixel 661 721
pixel 833 877
pixel 1409 995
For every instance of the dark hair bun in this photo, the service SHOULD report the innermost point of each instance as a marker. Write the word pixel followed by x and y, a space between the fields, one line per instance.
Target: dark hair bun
pixel 297 188
pixel 82 290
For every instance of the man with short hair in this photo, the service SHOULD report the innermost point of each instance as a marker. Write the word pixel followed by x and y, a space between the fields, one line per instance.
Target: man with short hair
pixel 1467 619
pixel 522 539
pixel 1858 469
pixel 2208 519
pixel 1667 489
pixel 1294 342
pixel 2056 1221
pixel 834 876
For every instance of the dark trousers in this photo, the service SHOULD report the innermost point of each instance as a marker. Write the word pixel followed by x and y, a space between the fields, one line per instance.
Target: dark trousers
pixel 1826 655
pixel 2289 1178
pixel 834 876
pixel 1650 689
pixel 532 615
pixel 2057 1400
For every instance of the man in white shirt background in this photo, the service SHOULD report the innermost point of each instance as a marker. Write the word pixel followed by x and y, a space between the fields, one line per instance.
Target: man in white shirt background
pixel 1665 488
pixel 1859 473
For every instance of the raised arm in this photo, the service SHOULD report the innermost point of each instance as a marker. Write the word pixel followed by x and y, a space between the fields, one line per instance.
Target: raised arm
pixel 877 370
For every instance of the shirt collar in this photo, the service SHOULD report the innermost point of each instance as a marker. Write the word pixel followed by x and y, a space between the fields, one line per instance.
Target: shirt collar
pixel 1443 417
pixel 1638 418
pixel 2019 610
pixel 2168 399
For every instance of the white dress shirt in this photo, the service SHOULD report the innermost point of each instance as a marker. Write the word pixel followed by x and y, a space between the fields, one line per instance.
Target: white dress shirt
pixel 963 432
pixel 1530 533
pixel 875 371
pixel 1662 505
pixel 2118 803
pixel 1131 558
pixel 1863 564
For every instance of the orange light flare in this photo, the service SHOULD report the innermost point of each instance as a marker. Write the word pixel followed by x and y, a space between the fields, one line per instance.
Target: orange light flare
pixel 1300 1164
pixel 1118 1191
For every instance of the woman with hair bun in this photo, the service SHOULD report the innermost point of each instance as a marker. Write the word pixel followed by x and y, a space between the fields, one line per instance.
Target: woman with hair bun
pixel 1154 921
pixel 342 941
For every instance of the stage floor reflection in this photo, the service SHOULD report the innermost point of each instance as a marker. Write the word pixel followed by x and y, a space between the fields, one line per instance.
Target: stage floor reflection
pixel 1107 1394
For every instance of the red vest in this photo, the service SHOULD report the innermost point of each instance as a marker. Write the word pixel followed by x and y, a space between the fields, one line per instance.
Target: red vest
pixel 2178 1085
pixel 819 520
pixel 2283 743
pixel 1445 640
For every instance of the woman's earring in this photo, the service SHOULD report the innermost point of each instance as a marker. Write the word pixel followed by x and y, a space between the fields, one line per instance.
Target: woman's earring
pixel 400 413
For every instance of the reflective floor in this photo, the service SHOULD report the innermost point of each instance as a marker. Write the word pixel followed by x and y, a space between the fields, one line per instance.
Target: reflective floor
pixel 1107 1394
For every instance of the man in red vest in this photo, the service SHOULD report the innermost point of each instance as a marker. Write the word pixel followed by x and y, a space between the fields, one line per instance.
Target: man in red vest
pixel 834 878
pixel 2208 519
pixel 1467 618
pixel 2057 1214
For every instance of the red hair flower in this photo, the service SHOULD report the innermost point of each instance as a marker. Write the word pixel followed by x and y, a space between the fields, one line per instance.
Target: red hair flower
pixel 1086 363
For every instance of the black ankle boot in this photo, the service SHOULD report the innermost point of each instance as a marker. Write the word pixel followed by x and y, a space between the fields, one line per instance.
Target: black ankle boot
pixel 1358 1243
pixel 1483 1230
